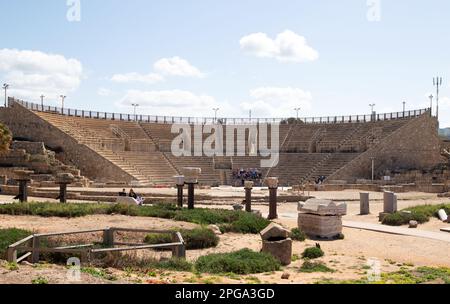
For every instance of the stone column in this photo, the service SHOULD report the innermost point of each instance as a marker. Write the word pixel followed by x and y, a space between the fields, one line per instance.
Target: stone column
pixel 272 183
pixel 64 179
pixel 248 196
pixel 180 187
pixel 390 202
pixel 364 203
pixel 23 177
pixel 191 179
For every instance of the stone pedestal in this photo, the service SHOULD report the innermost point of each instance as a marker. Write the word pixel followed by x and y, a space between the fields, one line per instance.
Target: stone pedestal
pixel 191 195
pixel 321 218
pixel 390 202
pixel 364 203
pixel 282 250
pixel 191 176
pixel 320 226
pixel 276 241
pixel 64 179
pixel 23 177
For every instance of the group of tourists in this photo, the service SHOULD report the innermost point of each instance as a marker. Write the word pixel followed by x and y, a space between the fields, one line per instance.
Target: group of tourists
pixel 247 175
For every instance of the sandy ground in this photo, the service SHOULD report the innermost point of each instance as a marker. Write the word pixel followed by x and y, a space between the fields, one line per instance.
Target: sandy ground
pixel 348 257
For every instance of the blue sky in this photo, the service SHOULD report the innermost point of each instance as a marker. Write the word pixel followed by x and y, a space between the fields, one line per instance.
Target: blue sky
pixel 187 57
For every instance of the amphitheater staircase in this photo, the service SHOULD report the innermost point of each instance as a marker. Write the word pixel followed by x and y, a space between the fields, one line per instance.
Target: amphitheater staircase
pixel 326 164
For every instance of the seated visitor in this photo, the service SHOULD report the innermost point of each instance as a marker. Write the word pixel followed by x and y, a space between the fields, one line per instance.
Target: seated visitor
pixel 123 193
pixel 132 194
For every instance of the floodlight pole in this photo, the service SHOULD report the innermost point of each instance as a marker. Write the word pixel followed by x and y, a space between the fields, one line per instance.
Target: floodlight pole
pixel 5 87
pixel 135 105
pixel 215 113
pixel 63 97
pixel 431 103
pixel 297 110
pixel 404 107
pixel 42 102
pixel 437 82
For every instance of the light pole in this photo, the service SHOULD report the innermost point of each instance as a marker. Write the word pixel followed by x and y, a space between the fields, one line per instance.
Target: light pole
pixel 63 97
pixel 215 113
pixel 42 102
pixel 135 105
pixel 297 110
pixel 437 82
pixel 6 87
pixel 250 115
pixel 404 107
pixel 372 113
pixel 431 103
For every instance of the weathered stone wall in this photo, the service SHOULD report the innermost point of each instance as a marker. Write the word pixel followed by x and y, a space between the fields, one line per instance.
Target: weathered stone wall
pixel 29 147
pixel 414 146
pixel 25 124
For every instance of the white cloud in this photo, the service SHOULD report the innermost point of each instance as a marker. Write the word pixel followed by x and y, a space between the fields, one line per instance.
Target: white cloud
pixel 174 66
pixel 104 92
pixel 171 102
pixel 32 73
pixel 136 77
pixel 277 102
pixel 177 66
pixel 286 47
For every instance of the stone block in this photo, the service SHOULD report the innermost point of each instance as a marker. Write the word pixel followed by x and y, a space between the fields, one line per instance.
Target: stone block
pixel 390 202
pixel 281 250
pixel 191 174
pixel 274 231
pixel 364 203
pixel 320 226
pixel 322 207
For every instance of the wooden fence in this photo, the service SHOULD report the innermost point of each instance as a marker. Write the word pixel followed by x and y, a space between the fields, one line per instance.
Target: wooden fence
pixel 31 245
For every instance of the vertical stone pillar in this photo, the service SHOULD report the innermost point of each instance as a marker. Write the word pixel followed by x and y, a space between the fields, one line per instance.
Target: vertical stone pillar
pixel 64 179
pixel 364 203
pixel 23 191
pixel 191 187
pixel 272 183
pixel 191 179
pixel 23 177
pixel 179 180
pixel 390 202
pixel 248 196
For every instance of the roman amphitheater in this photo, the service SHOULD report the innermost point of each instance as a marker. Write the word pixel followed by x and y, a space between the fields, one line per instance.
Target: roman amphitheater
pixel 338 159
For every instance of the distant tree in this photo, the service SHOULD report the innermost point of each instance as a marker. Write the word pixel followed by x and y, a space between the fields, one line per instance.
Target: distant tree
pixel 5 138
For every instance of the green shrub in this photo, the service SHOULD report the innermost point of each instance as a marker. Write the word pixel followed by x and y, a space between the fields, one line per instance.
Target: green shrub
pixel 174 264
pixel 310 267
pixel 198 238
pixel 297 235
pixel 421 214
pixel 400 218
pixel 39 281
pixel 312 253
pixel 243 261
pixel 246 223
pixel 9 237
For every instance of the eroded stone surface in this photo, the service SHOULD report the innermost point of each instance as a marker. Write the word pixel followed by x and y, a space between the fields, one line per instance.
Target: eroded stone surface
pixel 274 231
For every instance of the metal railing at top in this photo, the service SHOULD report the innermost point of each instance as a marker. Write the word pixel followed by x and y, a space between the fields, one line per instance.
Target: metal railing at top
pixel 225 121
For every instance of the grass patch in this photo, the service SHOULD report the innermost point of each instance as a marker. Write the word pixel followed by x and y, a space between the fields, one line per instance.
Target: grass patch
pixel 9 237
pixel 230 221
pixel 39 281
pixel 198 238
pixel 310 267
pixel 297 235
pixel 421 275
pixel 312 253
pixel 421 214
pixel 243 261
pixel 98 273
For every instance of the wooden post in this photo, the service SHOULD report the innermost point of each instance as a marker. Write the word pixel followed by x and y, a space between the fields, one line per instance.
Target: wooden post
pixel 108 237
pixel 11 255
pixel 35 254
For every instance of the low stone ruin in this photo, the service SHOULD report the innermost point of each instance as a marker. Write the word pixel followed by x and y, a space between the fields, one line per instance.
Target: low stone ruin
pixel 276 241
pixel 321 218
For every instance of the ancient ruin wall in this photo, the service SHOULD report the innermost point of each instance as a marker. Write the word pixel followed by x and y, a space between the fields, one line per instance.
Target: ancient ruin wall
pixel 27 125
pixel 414 146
